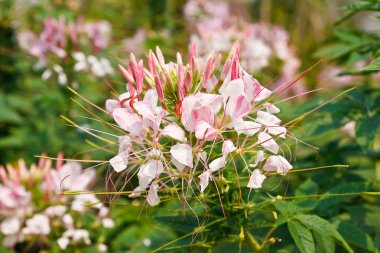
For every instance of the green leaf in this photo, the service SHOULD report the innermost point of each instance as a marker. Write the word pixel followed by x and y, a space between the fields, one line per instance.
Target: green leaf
pixel 353 8
pixel 323 227
pixel 184 224
pixel 307 188
pixel 325 244
pixel 366 130
pixel 355 236
pixel 301 236
pixel 326 202
pixel 373 66
pixel 377 241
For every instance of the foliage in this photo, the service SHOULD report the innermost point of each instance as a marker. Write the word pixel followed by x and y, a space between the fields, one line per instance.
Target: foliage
pixel 328 209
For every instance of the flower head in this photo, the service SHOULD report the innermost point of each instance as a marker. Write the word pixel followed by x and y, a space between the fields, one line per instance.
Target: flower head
pixel 186 124
pixel 31 203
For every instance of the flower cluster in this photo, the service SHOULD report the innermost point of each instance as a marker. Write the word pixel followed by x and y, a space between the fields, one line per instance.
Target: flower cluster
pixel 186 124
pixel 64 43
pixel 31 209
pixel 262 45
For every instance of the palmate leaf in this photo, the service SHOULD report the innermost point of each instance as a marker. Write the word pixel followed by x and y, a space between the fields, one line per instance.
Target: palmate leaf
pixel 322 226
pixel 356 236
pixel 301 236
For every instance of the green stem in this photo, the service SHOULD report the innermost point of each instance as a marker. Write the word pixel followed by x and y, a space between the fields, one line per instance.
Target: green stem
pixel 252 242
pixel 187 235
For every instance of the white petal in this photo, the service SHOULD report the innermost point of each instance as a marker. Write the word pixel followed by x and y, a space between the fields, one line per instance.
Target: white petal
pixel 204 179
pixel 46 75
pixel 125 143
pixel 149 171
pixel 174 131
pixel 63 242
pixel 259 158
pixel 152 197
pixel 217 164
pixel 108 223
pixel 277 131
pixel 247 127
pixel 228 147
pixel 267 119
pixel 10 226
pixel 267 142
pixel 136 192
pixel 271 108
pixel 278 164
pixel 120 161
pixel 205 131
pixel 178 165
pixel 256 180
pixel 183 153
pixel 202 155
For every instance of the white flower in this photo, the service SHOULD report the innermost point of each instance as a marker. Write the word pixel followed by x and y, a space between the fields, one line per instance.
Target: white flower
pixel 37 225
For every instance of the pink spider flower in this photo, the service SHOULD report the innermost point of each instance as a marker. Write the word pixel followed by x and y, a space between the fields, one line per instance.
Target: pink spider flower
pixel 30 202
pixel 194 121
pixel 61 41
pixel 216 27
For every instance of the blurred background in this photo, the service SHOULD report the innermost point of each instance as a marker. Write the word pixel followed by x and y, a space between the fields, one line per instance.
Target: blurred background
pixel 50 49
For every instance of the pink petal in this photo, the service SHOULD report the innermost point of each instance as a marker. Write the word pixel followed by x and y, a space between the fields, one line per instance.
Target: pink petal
pixel 111 105
pixel 187 119
pixel 203 131
pixel 145 110
pixel 215 102
pixel 129 121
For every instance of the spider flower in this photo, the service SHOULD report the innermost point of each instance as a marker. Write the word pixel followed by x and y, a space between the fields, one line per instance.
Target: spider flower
pixel 185 125
pixel 217 26
pixel 31 208
pixel 62 45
